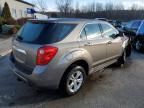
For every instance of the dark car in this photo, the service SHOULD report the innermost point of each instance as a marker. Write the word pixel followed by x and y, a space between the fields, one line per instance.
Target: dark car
pixel 132 26
pixel 135 30
pixel 139 39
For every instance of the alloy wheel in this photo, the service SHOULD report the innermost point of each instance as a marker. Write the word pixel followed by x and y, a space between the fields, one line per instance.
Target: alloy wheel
pixel 75 81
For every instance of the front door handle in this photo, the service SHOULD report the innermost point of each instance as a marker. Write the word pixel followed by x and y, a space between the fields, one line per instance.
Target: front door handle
pixel 110 42
pixel 87 44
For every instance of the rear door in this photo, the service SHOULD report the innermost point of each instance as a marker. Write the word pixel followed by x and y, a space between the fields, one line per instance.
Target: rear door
pixel 92 41
pixel 114 42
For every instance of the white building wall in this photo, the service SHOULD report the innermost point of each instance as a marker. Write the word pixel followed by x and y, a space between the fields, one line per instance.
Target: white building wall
pixel 18 9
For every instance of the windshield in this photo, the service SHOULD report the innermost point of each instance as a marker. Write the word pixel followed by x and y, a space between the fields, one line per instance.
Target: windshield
pixel 44 33
pixel 129 24
pixel 141 30
pixel 136 25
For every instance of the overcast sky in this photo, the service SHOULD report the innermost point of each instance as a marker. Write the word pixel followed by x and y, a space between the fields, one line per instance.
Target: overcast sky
pixel 127 3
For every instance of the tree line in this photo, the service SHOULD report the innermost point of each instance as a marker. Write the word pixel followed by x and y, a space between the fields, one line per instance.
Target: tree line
pixel 98 10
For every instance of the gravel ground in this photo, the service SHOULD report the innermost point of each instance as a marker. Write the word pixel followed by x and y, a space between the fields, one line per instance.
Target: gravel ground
pixel 115 88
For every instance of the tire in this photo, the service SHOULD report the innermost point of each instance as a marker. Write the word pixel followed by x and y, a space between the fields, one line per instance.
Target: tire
pixel 73 80
pixel 122 59
pixel 128 50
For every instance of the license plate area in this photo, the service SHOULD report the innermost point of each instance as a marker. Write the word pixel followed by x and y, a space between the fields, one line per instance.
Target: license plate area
pixel 19 54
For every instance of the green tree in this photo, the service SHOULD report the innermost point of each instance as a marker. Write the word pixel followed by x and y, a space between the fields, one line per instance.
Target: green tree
pixel 6 14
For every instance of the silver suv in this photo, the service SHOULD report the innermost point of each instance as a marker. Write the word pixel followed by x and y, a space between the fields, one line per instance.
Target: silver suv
pixel 61 53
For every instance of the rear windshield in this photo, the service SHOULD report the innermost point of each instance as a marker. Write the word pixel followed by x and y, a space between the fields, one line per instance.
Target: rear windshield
pixel 44 33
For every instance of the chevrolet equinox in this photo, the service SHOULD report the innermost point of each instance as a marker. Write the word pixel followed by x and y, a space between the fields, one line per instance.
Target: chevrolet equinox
pixel 61 53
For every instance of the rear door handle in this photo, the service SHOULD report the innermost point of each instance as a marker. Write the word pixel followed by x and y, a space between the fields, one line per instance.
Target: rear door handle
pixel 87 44
pixel 110 42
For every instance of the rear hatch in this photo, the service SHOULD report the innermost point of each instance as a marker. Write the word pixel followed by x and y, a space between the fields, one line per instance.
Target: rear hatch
pixel 32 36
pixel 24 56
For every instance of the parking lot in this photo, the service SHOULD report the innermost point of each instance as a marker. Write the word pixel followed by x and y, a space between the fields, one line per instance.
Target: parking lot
pixel 115 88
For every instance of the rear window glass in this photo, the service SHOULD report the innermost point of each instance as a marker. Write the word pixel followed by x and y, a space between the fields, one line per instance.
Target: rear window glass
pixel 44 33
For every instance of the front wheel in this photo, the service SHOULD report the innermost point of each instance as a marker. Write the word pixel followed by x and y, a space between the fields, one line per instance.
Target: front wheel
pixel 122 59
pixel 73 80
pixel 138 45
pixel 128 50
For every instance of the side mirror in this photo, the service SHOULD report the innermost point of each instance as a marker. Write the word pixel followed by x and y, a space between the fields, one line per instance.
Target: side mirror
pixel 124 28
pixel 121 34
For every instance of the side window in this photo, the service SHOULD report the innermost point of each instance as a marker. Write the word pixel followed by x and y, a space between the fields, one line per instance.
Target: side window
pixel 108 31
pixel 93 31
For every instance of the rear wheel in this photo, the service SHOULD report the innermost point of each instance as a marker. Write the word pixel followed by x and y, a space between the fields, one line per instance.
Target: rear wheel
pixel 73 80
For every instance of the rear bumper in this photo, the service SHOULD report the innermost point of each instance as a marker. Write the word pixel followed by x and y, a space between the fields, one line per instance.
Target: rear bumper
pixel 37 80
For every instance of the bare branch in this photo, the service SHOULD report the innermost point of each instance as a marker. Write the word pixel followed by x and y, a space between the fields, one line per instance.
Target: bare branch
pixel 64 6
pixel 40 5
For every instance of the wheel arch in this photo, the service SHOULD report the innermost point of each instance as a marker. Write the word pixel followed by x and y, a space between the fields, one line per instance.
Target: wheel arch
pixel 80 62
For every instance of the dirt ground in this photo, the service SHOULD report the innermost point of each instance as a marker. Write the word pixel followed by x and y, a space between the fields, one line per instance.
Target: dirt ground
pixel 115 88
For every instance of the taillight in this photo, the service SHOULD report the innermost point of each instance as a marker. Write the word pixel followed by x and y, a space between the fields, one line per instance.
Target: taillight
pixel 45 54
